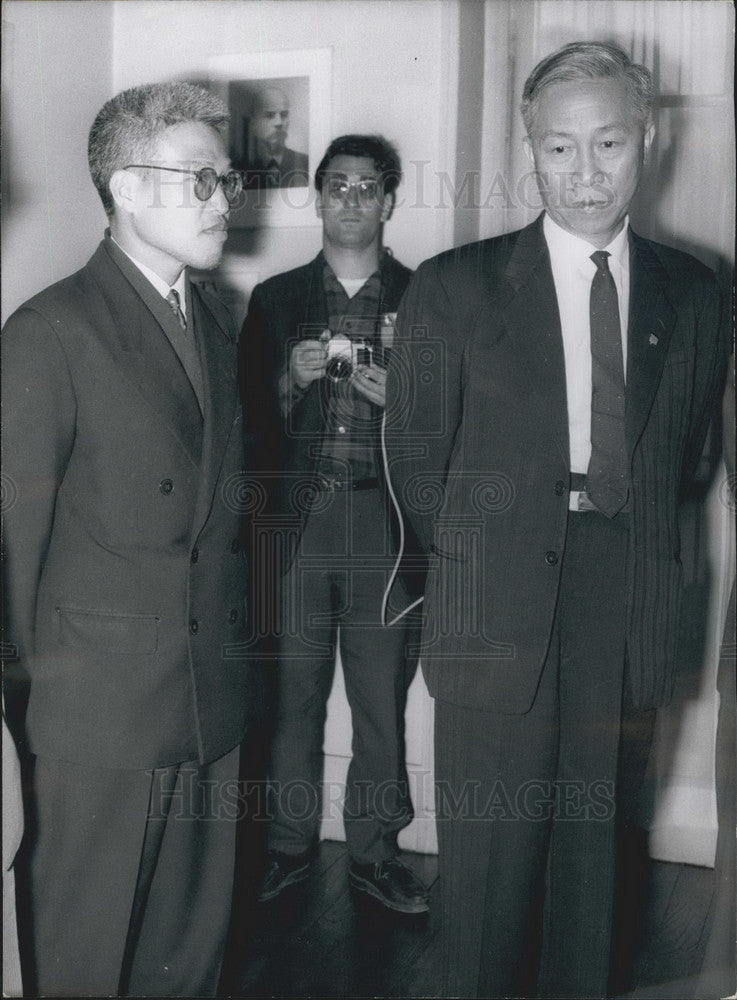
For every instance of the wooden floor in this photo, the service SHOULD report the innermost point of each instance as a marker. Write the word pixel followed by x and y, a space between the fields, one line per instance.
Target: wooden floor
pixel 322 939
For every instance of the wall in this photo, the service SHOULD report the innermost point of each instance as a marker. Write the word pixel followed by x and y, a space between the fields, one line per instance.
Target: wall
pixel 56 74
pixel 386 61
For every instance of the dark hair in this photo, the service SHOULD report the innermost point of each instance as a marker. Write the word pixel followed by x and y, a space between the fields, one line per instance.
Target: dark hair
pixel 375 147
pixel 589 61
pixel 128 126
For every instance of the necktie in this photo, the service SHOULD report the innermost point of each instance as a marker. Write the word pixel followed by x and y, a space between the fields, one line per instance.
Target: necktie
pixel 173 299
pixel 607 482
pixel 185 346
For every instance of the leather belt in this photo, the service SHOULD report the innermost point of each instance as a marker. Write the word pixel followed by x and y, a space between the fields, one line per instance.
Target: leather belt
pixel 328 485
pixel 577 484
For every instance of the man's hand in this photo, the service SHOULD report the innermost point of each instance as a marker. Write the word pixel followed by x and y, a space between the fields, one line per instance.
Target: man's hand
pixel 308 360
pixel 370 381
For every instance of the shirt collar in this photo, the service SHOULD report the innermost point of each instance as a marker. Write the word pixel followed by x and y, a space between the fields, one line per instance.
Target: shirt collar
pixel 331 272
pixel 563 244
pixel 159 284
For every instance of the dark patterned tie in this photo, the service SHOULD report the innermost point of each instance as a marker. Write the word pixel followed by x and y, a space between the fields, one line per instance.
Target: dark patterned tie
pixel 185 346
pixel 176 307
pixel 607 482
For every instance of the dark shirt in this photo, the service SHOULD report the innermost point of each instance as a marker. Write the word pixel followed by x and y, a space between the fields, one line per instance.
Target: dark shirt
pixel 352 422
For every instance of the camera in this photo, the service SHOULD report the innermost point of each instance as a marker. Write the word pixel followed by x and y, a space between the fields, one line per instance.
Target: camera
pixel 344 355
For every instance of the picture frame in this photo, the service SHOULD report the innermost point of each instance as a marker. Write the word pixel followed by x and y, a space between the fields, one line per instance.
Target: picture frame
pixel 258 87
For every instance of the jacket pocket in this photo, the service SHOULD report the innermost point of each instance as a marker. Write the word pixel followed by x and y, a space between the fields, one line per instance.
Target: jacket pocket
pixel 126 635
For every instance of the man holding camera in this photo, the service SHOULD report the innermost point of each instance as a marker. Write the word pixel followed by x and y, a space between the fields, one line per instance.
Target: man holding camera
pixel 313 361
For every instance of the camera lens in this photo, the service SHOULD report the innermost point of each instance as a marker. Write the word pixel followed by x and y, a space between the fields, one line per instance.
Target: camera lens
pixel 338 368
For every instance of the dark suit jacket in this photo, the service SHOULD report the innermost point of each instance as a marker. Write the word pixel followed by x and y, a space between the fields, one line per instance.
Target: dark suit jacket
pixel 478 444
pixel 125 579
pixel 283 450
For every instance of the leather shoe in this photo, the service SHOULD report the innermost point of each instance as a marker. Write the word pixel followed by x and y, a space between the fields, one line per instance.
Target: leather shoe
pixel 392 883
pixel 283 870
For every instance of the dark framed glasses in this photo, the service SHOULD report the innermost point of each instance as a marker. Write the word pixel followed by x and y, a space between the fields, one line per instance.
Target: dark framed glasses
pixel 339 189
pixel 206 179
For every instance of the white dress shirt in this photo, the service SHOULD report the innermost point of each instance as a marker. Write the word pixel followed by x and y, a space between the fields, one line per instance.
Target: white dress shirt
pixel 573 272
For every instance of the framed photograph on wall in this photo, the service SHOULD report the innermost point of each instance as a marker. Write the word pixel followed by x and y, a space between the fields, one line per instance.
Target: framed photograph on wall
pixel 280 125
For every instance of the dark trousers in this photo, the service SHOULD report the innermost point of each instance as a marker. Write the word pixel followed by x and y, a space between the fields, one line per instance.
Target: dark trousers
pixel 526 803
pixel 130 878
pixel 336 582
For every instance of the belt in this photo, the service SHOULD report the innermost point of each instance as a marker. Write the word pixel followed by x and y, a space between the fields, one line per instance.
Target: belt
pixel 329 485
pixel 580 504
pixel 577 484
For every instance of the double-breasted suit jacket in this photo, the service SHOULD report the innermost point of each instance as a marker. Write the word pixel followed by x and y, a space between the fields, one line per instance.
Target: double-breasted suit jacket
pixel 125 575
pixel 477 438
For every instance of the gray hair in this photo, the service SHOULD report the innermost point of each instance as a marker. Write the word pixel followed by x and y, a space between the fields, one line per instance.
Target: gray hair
pixel 129 125
pixel 589 61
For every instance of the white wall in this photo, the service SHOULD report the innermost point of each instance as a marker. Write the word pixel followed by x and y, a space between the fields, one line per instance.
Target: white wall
pixel 56 74
pixel 386 59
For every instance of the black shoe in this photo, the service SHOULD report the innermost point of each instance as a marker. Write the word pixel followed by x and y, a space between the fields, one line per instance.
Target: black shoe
pixel 283 870
pixel 392 883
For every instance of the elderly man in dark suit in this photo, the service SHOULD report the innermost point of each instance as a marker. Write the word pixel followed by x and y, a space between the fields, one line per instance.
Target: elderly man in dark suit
pixel 122 436
pixel 548 397
pixel 315 344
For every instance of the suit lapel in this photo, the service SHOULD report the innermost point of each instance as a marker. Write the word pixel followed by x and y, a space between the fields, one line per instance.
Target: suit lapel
pixel 532 320
pixel 650 326
pixel 219 377
pixel 142 351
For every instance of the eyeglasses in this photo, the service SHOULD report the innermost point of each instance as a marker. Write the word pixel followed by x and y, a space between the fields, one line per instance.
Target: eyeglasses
pixel 206 180
pixel 339 189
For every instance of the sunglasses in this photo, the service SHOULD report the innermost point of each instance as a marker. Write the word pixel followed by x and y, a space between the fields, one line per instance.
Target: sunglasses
pixel 206 180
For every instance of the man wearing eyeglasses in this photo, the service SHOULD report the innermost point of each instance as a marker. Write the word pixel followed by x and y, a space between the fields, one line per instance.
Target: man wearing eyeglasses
pixel 125 575
pixel 315 345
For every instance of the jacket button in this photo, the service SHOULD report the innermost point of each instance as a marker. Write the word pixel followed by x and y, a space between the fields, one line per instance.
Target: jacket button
pixel 551 558
pixel 194 626
pixel 235 546
pixel 233 616
pixel 195 554
pixel 166 486
pixel 559 488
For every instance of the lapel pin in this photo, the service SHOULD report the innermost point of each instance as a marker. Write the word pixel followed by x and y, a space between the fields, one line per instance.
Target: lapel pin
pixel 653 340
